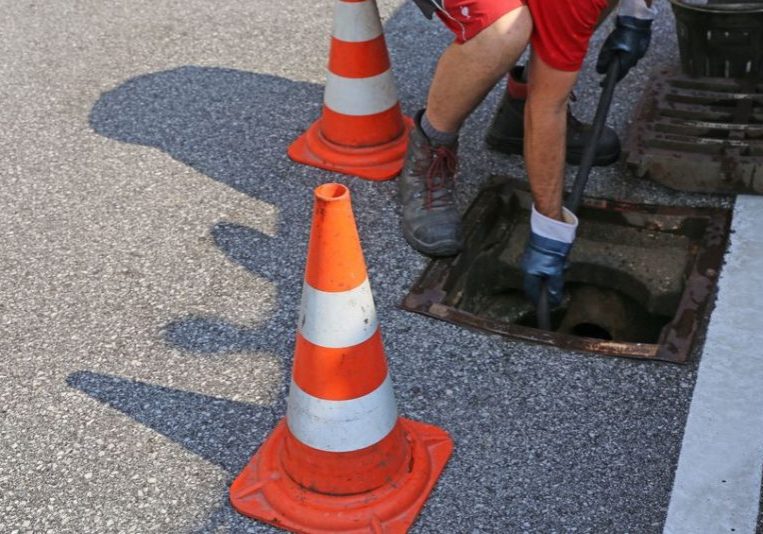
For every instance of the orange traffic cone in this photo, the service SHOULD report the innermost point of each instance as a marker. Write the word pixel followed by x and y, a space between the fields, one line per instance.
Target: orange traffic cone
pixel 362 131
pixel 342 460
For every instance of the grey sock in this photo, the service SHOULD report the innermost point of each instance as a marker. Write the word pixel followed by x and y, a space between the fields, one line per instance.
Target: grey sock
pixel 436 136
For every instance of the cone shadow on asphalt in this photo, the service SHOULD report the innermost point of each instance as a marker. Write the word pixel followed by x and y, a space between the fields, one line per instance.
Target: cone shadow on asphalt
pixel 259 254
pixel 234 127
pixel 221 431
pixel 230 125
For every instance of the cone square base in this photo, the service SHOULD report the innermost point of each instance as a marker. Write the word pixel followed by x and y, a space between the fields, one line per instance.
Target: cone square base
pixel 381 162
pixel 265 492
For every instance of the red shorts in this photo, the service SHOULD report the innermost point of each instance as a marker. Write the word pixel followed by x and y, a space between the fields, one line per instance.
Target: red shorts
pixel 561 28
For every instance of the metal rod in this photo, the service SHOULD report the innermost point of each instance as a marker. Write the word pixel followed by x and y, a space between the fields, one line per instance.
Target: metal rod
pixel 584 170
pixel 543 310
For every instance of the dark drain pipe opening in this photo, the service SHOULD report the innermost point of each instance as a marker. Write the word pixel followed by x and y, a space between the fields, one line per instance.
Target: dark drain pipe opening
pixel 591 330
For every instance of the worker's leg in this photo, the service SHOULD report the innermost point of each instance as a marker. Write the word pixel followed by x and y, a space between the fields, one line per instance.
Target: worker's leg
pixel 506 130
pixel 545 125
pixel 466 72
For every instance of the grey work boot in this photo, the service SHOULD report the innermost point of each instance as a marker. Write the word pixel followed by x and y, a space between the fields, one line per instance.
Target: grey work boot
pixel 431 222
pixel 507 130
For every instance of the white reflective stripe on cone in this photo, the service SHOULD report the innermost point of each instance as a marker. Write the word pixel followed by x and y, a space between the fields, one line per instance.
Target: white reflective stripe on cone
pixel 360 96
pixel 356 22
pixel 342 426
pixel 337 319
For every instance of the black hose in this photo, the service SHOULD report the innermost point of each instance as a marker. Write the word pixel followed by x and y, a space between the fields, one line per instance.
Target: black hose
pixel 589 154
pixel 543 309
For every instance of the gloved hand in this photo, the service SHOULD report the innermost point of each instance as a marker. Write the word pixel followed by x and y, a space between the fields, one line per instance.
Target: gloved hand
pixel 627 43
pixel 546 254
pixel 545 258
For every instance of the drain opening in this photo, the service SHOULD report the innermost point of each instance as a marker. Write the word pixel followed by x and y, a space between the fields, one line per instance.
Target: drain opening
pixel 638 282
pixel 587 311
pixel 591 330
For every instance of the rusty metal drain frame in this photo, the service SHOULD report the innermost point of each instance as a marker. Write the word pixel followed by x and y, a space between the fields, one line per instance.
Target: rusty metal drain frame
pixel 677 339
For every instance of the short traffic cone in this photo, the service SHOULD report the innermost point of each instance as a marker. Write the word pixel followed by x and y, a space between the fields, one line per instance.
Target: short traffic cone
pixel 342 461
pixel 362 131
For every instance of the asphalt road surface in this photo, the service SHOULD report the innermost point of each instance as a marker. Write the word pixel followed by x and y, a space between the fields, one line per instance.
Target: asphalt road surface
pixel 151 261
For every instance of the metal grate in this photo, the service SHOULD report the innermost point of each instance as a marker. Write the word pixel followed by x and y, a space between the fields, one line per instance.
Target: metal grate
pixel 701 135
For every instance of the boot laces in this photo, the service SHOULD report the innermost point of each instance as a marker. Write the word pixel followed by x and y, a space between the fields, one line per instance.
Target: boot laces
pixel 440 177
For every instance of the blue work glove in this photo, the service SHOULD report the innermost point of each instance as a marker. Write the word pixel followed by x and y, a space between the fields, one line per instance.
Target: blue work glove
pixel 627 43
pixel 545 258
pixel 546 254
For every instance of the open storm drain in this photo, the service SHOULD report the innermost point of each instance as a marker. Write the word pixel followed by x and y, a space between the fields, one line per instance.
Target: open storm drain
pixel 638 284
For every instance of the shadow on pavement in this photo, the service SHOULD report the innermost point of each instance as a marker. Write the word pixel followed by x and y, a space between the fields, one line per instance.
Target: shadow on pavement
pixel 234 127
pixel 211 335
pixel 259 254
pixel 221 431
pixel 230 125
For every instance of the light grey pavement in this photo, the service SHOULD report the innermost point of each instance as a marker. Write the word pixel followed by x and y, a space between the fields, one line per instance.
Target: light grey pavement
pixel 717 481
pixel 150 273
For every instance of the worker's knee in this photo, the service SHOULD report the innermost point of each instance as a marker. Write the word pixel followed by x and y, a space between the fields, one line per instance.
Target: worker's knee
pixel 511 30
pixel 501 43
pixel 549 88
pixel 552 107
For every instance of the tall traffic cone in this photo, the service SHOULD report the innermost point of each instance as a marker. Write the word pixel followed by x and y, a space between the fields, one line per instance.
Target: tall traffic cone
pixel 342 460
pixel 362 131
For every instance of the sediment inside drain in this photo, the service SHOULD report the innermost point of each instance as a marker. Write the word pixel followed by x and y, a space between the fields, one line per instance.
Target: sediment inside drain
pixel 587 311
